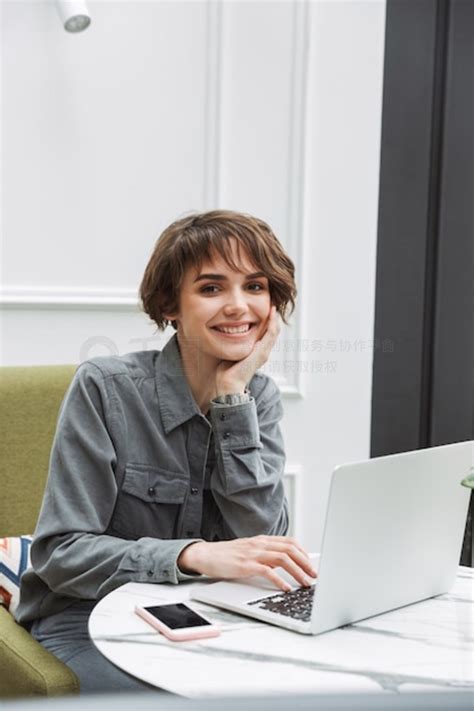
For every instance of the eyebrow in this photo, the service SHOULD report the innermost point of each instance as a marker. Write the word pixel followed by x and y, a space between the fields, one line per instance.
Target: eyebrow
pixel 221 277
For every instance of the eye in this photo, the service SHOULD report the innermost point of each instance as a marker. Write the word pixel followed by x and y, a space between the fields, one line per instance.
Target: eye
pixel 259 287
pixel 209 289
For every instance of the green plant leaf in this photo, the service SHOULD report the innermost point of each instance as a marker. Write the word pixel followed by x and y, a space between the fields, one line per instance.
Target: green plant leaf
pixel 468 481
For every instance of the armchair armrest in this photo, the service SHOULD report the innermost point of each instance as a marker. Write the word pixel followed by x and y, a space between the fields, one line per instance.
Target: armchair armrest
pixel 27 668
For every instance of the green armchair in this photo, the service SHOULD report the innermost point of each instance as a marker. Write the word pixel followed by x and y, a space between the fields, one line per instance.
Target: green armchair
pixel 30 398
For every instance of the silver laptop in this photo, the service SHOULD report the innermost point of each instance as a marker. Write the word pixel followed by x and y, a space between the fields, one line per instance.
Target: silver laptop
pixel 393 536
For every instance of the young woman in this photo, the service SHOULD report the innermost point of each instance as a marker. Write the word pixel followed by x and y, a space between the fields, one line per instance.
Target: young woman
pixel 168 465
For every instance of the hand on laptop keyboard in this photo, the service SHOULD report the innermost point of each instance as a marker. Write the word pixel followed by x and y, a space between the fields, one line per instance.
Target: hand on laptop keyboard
pixel 297 604
pixel 245 557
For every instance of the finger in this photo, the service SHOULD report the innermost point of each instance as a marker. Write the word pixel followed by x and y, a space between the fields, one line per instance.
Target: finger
pixel 283 543
pixel 275 319
pixel 286 539
pixel 268 321
pixel 282 560
pixel 293 542
pixel 264 345
pixel 269 339
pixel 267 572
pixel 295 554
pixel 272 324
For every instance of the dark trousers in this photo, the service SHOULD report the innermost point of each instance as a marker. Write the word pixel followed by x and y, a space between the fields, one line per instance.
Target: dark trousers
pixel 65 634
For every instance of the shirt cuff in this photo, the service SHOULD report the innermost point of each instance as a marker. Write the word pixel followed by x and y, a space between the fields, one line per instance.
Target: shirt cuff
pixel 159 561
pixel 181 575
pixel 236 426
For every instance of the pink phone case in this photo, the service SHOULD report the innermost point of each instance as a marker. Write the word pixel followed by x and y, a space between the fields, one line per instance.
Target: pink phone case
pixel 178 635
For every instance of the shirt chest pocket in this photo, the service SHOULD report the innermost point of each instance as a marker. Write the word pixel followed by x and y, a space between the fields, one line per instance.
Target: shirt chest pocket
pixel 149 502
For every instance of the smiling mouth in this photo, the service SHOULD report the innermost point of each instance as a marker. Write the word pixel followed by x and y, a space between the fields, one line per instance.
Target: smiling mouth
pixel 234 330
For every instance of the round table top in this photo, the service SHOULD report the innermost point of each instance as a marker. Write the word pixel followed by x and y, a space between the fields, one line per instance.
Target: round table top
pixel 420 647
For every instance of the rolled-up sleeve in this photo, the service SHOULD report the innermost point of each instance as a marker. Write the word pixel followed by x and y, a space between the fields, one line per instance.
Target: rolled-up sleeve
pixel 71 552
pixel 247 481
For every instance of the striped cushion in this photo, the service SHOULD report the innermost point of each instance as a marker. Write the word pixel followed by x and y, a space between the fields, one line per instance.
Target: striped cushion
pixel 14 560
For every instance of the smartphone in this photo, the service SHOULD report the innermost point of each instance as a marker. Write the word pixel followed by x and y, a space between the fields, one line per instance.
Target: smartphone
pixel 178 622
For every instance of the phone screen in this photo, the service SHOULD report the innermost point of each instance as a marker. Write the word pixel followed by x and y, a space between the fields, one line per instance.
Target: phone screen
pixel 177 616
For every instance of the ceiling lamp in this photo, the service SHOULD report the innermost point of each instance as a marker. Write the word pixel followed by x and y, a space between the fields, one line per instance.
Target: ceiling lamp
pixel 74 15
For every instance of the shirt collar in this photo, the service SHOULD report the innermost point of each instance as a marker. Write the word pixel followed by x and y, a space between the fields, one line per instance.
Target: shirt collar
pixel 175 399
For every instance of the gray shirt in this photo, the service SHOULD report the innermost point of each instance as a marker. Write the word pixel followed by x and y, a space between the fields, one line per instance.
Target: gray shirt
pixel 137 473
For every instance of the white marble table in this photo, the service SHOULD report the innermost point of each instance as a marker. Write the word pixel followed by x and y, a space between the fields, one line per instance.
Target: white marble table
pixel 423 647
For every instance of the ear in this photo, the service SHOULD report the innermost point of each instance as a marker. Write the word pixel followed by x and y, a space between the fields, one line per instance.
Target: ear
pixel 172 320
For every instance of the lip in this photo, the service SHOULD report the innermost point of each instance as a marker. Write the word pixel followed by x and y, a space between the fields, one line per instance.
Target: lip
pixel 233 324
pixel 234 336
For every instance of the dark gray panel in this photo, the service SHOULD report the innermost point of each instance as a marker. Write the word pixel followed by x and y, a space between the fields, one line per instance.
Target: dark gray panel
pixel 452 395
pixel 453 362
pixel 423 392
pixel 403 235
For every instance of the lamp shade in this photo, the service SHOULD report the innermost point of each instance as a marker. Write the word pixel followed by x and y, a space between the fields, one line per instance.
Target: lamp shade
pixel 74 15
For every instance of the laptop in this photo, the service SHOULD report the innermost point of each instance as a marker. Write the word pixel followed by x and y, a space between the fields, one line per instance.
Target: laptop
pixel 393 536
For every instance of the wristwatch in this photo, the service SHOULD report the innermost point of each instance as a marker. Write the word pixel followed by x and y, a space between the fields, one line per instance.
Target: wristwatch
pixel 232 398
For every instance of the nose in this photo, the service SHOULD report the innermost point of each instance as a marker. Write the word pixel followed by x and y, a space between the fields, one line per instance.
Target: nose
pixel 236 303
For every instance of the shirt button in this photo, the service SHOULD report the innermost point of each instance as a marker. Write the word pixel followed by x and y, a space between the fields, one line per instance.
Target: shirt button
pixel 150 573
pixel 151 490
pixel 194 491
pixel 165 572
pixel 226 435
pixel 190 533
pixel 222 416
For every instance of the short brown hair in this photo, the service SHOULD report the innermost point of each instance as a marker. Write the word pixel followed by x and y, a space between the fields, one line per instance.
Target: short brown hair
pixel 192 239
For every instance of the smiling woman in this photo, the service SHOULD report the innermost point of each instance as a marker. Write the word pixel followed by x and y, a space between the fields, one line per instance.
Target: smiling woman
pixel 167 465
pixel 196 239
pixel 219 325
pixel 221 311
pixel 215 277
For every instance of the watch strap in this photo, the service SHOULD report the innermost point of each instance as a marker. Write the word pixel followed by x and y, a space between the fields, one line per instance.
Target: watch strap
pixel 232 399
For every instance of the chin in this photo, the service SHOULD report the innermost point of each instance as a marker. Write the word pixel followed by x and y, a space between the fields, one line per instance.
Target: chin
pixel 236 352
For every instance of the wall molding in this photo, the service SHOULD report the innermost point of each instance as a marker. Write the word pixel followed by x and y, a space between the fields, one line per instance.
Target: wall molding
pixel 297 172
pixel 68 298
pixel 298 185
pixel 212 132
pixel 287 387
pixel 62 298
pixel 80 299
pixel 290 385
pixel 292 482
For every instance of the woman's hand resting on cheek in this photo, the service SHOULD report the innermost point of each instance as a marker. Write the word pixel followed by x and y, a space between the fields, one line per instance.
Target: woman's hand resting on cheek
pixel 233 376
pixel 244 557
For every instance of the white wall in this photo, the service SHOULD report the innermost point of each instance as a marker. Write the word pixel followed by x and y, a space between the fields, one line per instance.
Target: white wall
pixel 339 246
pixel 164 107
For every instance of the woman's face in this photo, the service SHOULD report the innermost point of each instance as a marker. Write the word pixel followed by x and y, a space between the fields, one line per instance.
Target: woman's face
pixel 222 312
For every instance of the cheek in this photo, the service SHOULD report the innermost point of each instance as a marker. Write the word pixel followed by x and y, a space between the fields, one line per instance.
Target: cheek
pixel 263 313
pixel 204 313
pixel 196 308
pixel 264 308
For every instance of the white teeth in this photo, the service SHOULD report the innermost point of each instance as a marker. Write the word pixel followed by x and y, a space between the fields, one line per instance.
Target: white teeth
pixel 236 329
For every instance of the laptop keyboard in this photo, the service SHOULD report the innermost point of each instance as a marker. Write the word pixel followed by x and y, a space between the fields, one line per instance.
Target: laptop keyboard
pixel 295 603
